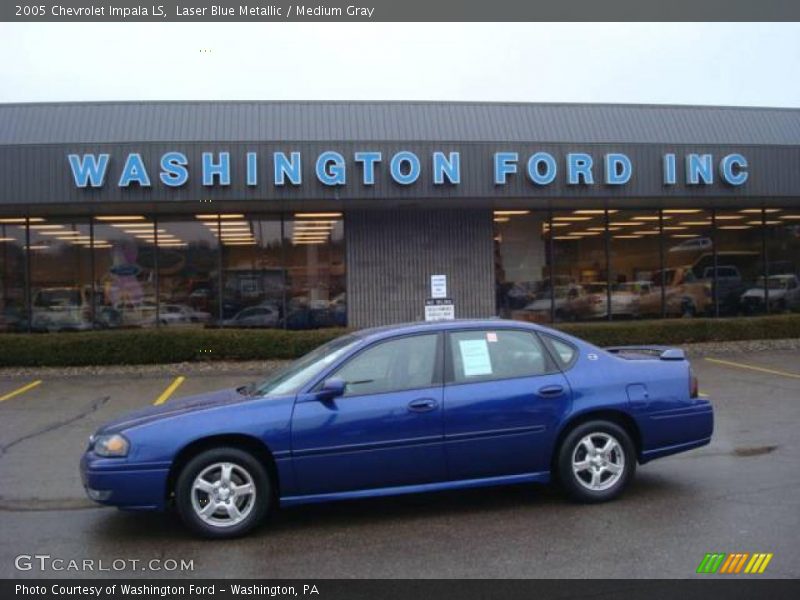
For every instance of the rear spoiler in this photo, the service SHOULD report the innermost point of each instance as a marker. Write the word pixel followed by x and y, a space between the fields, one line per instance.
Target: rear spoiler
pixel 662 352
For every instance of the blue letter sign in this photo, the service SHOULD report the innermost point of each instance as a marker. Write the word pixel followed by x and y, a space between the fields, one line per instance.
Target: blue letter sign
pixel 134 171
pixel 173 169
pixel 733 169
pixel 88 170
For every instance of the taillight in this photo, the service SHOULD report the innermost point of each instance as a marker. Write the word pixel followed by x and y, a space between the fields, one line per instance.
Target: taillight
pixel 694 386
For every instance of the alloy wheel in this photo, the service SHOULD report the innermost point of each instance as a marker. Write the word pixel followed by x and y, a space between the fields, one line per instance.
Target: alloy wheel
pixel 223 494
pixel 598 461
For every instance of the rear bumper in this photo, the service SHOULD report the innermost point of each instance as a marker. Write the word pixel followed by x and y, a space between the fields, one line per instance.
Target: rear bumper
pixel 124 485
pixel 649 455
pixel 678 430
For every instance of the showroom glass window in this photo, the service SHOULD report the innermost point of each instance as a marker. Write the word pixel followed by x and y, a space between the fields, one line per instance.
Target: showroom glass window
pixel 60 256
pixel 635 259
pixel 522 269
pixel 315 270
pixel 124 271
pixel 188 270
pixel 686 281
pixel 253 270
pixel 13 297
pixel 740 262
pixel 783 259
pixel 580 280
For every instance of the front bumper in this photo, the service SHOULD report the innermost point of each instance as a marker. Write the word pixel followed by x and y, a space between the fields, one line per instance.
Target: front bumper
pixel 131 486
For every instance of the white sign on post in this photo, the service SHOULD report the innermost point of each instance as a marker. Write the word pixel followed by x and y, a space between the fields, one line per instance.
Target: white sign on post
pixel 439 309
pixel 438 286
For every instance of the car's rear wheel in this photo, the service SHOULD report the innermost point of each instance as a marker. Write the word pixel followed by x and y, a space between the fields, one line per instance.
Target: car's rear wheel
pixel 596 461
pixel 223 493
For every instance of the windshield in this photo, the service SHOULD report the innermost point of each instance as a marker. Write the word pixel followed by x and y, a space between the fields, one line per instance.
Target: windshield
pixel 58 298
pixel 595 288
pixel 773 283
pixel 290 379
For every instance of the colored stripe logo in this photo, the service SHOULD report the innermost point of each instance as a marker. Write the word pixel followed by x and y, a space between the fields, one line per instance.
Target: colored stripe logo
pixel 734 563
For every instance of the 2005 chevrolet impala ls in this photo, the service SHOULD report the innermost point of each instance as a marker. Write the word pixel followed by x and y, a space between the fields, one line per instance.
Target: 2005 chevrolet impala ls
pixel 404 409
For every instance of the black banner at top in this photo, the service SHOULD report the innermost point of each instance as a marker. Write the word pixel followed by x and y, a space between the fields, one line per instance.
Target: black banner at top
pixel 394 10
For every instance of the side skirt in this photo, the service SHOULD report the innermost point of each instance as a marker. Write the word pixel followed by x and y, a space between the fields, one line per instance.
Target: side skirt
pixel 542 477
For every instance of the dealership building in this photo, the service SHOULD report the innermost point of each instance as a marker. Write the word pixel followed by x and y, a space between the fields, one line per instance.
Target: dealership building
pixel 317 214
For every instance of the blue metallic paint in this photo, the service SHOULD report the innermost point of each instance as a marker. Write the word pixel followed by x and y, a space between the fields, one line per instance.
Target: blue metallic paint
pixel 340 445
pixel 477 434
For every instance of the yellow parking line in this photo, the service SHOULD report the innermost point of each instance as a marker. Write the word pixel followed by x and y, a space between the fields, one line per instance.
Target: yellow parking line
pixel 169 391
pixel 702 395
pixel 754 368
pixel 21 390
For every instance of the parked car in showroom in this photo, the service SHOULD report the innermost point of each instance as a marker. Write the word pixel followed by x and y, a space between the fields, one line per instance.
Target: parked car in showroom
pixel 698 244
pixel 179 314
pixel 729 287
pixel 262 315
pixel 783 292
pixel 592 301
pixel 539 310
pixel 684 294
pixel 404 409
pixel 66 308
pixel 625 297
pixel 587 301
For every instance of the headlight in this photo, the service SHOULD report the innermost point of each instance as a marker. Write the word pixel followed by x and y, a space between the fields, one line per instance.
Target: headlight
pixel 111 445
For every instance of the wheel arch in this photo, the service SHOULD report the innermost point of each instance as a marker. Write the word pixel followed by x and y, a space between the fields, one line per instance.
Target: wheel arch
pixel 248 443
pixel 618 417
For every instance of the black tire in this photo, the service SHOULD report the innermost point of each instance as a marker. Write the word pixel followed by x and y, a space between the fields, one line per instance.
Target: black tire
pixel 243 463
pixel 576 484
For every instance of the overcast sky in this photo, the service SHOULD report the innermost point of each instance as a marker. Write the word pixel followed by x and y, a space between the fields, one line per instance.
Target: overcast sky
pixel 716 63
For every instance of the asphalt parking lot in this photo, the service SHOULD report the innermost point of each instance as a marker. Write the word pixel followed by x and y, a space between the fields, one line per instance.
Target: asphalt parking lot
pixel 740 494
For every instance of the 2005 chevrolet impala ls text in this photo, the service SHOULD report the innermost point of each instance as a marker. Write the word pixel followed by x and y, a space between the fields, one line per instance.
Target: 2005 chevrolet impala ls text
pixel 405 409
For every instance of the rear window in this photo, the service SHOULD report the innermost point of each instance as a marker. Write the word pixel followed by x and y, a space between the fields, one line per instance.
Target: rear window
pixel 485 355
pixel 563 352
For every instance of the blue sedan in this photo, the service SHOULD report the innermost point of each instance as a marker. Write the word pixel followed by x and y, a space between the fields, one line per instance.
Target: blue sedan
pixel 405 409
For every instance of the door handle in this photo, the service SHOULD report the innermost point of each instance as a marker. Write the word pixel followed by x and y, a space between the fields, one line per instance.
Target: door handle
pixel 551 391
pixel 422 404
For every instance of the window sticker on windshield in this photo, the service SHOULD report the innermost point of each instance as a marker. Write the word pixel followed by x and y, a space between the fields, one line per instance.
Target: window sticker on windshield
pixel 475 357
pixel 491 336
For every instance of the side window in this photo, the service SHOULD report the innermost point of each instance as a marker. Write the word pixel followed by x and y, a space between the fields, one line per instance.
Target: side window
pixel 484 355
pixel 563 352
pixel 400 364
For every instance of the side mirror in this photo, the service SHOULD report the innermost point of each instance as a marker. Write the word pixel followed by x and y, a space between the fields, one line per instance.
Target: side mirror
pixel 332 388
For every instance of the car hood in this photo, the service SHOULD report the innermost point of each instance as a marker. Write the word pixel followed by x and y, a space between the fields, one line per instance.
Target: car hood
pixel 174 408
pixel 759 293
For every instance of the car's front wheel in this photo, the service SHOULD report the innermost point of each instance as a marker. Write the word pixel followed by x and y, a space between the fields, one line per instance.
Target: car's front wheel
pixel 596 461
pixel 222 493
